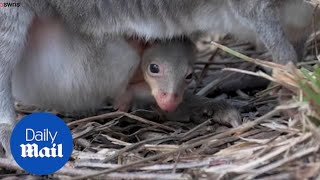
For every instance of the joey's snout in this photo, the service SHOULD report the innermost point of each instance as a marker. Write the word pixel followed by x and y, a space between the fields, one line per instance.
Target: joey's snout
pixel 168 101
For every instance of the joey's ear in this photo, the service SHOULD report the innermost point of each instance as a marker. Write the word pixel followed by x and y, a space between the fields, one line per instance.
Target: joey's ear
pixel 200 37
pixel 201 41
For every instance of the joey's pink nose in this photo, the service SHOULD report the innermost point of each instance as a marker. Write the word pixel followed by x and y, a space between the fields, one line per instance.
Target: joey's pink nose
pixel 168 101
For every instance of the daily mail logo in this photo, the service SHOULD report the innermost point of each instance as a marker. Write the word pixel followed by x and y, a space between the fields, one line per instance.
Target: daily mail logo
pixel 32 150
pixel 41 143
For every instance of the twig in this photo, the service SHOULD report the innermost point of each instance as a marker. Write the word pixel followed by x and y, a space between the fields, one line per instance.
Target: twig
pixel 209 87
pixel 174 169
pixel 259 73
pixel 136 145
pixel 143 120
pixel 205 123
pixel 247 58
pixel 119 113
pixel 95 118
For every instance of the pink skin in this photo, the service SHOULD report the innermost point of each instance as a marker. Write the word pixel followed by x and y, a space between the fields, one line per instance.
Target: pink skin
pixel 123 102
pixel 43 30
pixel 168 101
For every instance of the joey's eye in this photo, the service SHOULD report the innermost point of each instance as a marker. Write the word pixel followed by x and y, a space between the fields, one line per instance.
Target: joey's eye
pixel 154 68
pixel 189 77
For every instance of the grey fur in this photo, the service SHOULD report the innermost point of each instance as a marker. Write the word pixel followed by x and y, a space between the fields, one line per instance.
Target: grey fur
pixel 95 19
pixel 68 76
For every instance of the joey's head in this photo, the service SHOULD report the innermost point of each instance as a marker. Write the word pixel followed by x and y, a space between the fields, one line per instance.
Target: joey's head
pixel 168 68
